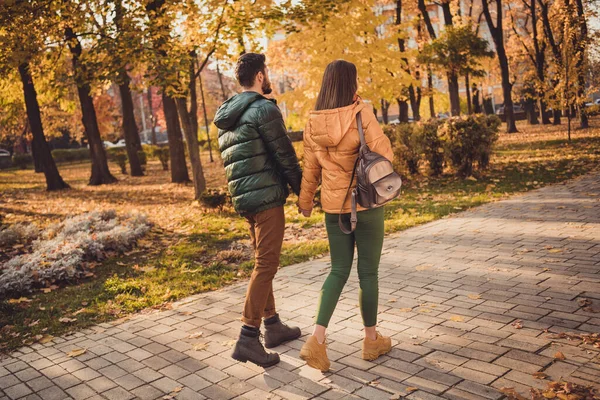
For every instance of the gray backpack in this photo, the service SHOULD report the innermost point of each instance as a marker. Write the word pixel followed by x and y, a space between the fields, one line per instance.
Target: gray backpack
pixel 376 181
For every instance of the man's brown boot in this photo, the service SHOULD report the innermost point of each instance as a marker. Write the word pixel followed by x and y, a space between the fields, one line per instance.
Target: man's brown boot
pixel 276 332
pixel 249 348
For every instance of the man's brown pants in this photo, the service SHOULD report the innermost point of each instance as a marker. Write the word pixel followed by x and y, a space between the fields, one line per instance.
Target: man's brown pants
pixel 266 230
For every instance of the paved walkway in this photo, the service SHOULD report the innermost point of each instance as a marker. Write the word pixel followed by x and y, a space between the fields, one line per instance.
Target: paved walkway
pixel 469 301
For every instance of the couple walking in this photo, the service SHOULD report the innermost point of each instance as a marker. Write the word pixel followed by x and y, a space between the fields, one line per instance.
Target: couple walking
pixel 260 163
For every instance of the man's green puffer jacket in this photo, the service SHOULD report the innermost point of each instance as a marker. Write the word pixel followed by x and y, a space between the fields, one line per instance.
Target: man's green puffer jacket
pixel 259 158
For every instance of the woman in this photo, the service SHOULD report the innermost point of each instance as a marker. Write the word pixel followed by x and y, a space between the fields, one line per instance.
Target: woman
pixel 331 144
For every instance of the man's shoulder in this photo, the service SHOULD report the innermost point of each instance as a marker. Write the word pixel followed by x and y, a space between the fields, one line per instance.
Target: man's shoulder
pixel 266 110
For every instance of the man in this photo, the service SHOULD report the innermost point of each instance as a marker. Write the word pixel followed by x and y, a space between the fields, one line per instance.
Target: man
pixel 260 162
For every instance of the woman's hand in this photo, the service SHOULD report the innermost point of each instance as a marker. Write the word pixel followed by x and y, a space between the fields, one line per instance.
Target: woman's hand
pixel 306 213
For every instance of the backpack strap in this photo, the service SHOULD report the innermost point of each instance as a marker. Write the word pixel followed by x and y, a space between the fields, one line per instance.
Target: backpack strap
pixel 361 132
pixel 353 216
pixel 353 207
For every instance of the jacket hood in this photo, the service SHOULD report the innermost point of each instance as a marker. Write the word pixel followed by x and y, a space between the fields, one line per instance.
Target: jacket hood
pixel 232 109
pixel 328 127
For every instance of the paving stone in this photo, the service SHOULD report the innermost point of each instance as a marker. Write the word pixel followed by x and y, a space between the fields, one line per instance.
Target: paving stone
pixel 118 394
pixel 17 391
pixel 147 392
pixel 195 382
pixel 81 392
pixel 129 381
pixel 101 384
pixel 53 393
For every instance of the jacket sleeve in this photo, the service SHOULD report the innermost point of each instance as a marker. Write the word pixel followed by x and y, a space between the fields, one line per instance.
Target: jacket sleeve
pixel 272 130
pixel 374 136
pixel 311 176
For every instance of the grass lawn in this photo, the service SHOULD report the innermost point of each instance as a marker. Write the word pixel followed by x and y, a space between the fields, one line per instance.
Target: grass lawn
pixel 191 249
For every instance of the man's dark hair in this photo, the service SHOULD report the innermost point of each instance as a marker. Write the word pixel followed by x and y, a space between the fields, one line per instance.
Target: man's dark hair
pixel 248 66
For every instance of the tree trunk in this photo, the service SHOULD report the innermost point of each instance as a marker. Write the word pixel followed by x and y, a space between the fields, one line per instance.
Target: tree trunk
pixel 206 118
pixel 42 154
pixel 468 90
pixel 193 147
pixel 37 165
pixel 223 92
pixel 130 129
pixel 498 37
pixel 580 45
pixel 556 115
pixel 430 90
pixel 453 93
pixel 402 110
pixel 532 117
pixel 152 117
pixel 189 122
pixel 179 172
pixel 384 111
pixel 414 97
pixel 476 100
pixel 100 171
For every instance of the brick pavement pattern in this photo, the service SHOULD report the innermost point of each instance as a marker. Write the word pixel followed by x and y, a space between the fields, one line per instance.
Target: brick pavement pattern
pixel 454 295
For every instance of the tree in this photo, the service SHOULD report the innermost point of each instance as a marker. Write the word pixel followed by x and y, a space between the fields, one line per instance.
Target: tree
pixel 457 52
pixel 353 33
pixel 20 41
pixel 497 31
pixel 453 88
pixel 535 51
pixel 100 171
pixel 159 28
pixel 121 47
pixel 414 96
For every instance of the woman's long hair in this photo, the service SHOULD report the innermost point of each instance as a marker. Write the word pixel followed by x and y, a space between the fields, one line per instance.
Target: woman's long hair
pixel 338 87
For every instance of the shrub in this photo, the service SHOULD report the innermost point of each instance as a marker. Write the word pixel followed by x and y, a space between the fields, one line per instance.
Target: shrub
pixel 121 159
pixel 62 250
pixel 18 233
pixel 215 198
pixel 71 155
pixel 469 139
pixel 162 153
pixel 22 160
pixel 406 144
pixel 432 145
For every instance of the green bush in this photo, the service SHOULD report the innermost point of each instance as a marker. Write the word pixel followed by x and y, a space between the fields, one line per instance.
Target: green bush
pixel 215 198
pixel 162 153
pixel 432 146
pixel 71 155
pixel 469 139
pixel 22 160
pixel 406 144
pixel 121 159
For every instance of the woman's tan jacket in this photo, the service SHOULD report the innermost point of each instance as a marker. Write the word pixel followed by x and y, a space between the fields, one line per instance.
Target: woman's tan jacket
pixel 331 146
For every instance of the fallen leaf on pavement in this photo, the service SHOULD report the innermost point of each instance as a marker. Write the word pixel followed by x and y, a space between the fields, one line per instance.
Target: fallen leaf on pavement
pixel 539 375
pixel 559 356
pixel 200 346
pixel 195 335
pixel 457 318
pixel 474 296
pixel 411 389
pixel 76 352
pixel 518 324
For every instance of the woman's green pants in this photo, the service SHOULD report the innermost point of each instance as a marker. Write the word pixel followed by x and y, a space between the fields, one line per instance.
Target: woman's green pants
pixel 368 238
